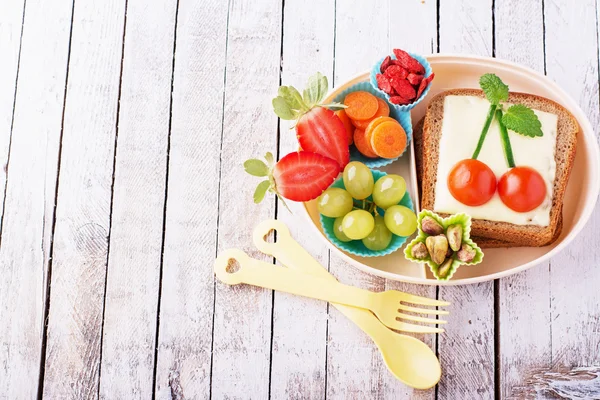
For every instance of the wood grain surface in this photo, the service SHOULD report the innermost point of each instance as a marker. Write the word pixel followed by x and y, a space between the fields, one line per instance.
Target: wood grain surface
pixel 124 125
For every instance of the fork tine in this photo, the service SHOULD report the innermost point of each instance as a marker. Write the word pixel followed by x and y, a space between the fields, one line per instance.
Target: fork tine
pixel 408 327
pixel 421 319
pixel 425 301
pixel 422 310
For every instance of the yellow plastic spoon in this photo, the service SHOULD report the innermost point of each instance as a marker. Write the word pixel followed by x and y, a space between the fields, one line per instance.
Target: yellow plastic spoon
pixel 410 360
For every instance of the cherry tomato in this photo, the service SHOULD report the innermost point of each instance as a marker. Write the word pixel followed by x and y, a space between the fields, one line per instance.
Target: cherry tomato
pixel 472 182
pixel 522 189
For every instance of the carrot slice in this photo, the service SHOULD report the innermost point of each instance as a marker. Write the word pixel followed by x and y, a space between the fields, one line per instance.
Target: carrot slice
pixel 388 139
pixel 382 111
pixel 373 124
pixel 361 105
pixel 347 124
pixel 364 147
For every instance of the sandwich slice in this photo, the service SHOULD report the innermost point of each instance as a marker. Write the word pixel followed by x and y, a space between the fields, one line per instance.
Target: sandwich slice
pixel 553 155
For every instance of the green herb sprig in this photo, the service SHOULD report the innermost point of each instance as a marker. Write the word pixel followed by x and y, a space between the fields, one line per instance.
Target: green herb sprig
pixel 518 118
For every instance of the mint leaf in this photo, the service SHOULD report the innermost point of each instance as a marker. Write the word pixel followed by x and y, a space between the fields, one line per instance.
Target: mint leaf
pixel 292 97
pixel 282 109
pixel 261 190
pixel 522 120
pixel 269 157
pixel 316 89
pixel 256 167
pixel 495 90
pixel 335 106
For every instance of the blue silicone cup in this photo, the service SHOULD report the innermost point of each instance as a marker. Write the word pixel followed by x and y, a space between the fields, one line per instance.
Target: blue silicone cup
pixel 357 247
pixel 407 107
pixel 403 117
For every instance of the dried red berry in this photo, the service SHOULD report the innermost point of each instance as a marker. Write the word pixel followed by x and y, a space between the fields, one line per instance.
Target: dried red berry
pixel 384 84
pixel 409 63
pixel 414 79
pixel 399 100
pixel 386 63
pixel 424 84
pixel 403 88
pixel 395 71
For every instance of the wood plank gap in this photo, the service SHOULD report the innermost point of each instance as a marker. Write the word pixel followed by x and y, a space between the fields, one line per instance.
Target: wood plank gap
pixel 437 20
pixel 544 30
pixel 497 366
pixel 164 217
pixel 12 119
pixel 494 34
pixel 112 195
pixel 51 249
pixel 212 340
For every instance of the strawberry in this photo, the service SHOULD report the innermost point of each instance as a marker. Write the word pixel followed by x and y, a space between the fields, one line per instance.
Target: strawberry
pixel 323 132
pixel 318 129
pixel 299 176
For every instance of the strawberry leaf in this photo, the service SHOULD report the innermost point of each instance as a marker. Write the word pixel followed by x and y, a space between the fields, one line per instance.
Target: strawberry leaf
pixel 522 120
pixel 269 157
pixel 261 190
pixel 335 106
pixel 292 97
pixel 495 90
pixel 256 167
pixel 316 89
pixel 282 109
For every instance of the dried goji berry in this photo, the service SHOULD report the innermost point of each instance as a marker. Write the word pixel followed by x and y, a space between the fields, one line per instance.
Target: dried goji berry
pixel 399 100
pixel 386 63
pixel 414 79
pixel 384 84
pixel 406 61
pixel 395 71
pixel 424 84
pixel 403 88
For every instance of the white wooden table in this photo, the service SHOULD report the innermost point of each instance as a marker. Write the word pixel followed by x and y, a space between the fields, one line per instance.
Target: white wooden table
pixel 123 128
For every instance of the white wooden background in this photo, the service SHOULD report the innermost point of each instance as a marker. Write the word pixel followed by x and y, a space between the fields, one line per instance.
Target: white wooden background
pixel 123 127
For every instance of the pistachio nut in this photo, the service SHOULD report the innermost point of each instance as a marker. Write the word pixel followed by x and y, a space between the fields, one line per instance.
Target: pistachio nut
pixel 466 253
pixel 437 247
pixel 419 251
pixel 454 234
pixel 444 269
pixel 430 226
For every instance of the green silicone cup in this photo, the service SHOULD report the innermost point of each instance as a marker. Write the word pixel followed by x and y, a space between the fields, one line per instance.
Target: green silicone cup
pixel 357 247
pixel 461 219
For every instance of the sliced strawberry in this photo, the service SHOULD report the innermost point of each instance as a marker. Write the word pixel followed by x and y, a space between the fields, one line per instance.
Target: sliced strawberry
pixel 304 175
pixel 323 132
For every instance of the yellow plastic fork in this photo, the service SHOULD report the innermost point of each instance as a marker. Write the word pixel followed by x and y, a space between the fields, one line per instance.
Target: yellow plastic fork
pixel 385 305
pixel 409 359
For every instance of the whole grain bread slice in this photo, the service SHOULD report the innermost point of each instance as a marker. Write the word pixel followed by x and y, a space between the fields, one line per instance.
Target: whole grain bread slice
pixel 484 243
pixel 503 232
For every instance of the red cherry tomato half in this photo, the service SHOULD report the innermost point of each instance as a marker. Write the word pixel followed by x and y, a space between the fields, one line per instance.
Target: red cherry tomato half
pixel 472 182
pixel 522 189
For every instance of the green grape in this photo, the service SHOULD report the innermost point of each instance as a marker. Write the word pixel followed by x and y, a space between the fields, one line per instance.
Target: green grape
pixel 358 180
pixel 389 190
pixel 400 220
pixel 380 237
pixel 358 224
pixel 338 232
pixel 334 202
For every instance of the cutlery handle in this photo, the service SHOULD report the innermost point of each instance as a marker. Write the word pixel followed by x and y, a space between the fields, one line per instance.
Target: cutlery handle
pixel 259 273
pixel 287 250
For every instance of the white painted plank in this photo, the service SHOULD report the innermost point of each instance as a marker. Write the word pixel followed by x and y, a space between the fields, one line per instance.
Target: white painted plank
pixel 300 324
pixel 132 287
pixel 11 22
pixel 402 34
pixel 572 61
pixel 84 201
pixel 31 189
pixel 187 301
pixel 524 331
pixel 242 321
pixel 466 350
